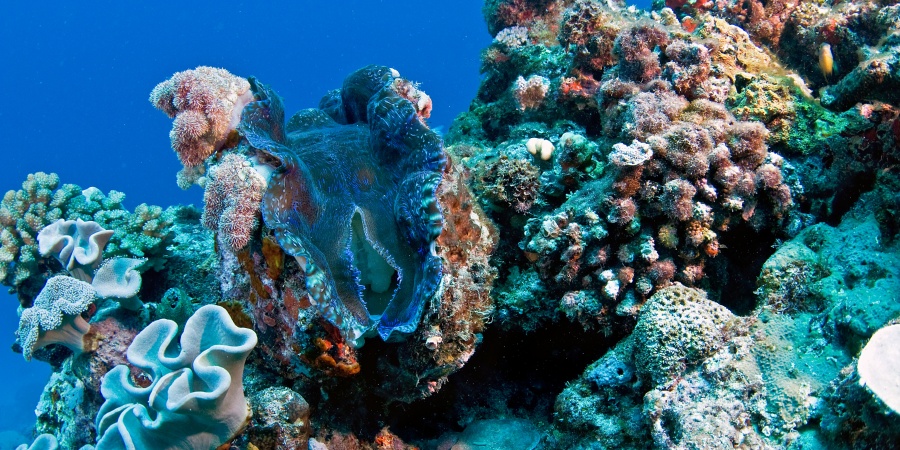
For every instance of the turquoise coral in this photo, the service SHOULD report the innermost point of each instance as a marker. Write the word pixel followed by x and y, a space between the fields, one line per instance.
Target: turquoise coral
pixel 56 316
pixel 195 399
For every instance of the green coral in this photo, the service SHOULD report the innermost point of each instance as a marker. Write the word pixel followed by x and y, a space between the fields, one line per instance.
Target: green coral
pixel 22 215
pixel 794 120
pixel 145 233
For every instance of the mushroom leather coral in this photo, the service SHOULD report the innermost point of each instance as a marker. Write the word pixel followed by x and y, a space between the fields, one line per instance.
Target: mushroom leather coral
pixel 195 397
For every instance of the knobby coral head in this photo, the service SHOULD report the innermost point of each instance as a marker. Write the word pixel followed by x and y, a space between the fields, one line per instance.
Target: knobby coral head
pixel 352 198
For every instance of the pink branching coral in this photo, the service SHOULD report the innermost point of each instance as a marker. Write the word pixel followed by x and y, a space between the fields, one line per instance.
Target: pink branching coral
pixel 206 104
pixel 692 172
pixel 530 93
pixel 233 194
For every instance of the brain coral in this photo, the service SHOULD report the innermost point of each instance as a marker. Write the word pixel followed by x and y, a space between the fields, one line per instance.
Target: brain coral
pixel 677 327
pixel 195 397
pixel 353 198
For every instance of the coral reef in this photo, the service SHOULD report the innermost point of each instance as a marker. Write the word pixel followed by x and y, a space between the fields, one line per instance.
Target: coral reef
pixel 674 228
pixel 144 233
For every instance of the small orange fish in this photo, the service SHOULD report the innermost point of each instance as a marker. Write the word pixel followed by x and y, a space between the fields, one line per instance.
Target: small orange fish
pixel 826 60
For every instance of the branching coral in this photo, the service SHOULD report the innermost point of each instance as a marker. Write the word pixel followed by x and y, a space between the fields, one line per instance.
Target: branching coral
pixel 635 46
pixel 144 233
pixel 23 214
pixel 623 221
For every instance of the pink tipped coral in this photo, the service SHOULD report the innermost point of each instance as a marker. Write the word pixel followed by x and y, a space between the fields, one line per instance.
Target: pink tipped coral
pixel 233 194
pixel 206 104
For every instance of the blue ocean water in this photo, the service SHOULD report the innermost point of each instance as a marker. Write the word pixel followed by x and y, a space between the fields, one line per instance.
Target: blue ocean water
pixel 78 75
